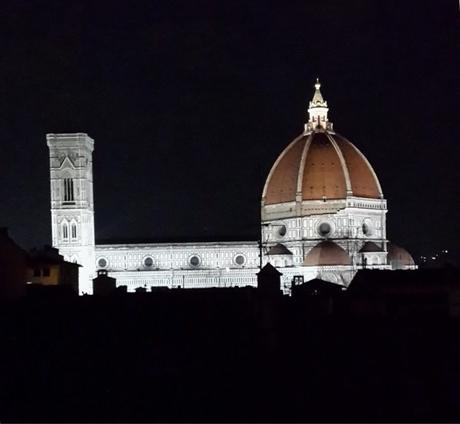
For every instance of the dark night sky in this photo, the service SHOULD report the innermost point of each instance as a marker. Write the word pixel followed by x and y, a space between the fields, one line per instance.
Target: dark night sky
pixel 190 103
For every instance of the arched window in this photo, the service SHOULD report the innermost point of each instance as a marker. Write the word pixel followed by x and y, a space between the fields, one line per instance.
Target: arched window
pixel 68 190
pixel 65 231
pixel 73 231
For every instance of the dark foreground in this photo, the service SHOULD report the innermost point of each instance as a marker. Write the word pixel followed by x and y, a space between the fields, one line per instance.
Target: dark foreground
pixel 236 357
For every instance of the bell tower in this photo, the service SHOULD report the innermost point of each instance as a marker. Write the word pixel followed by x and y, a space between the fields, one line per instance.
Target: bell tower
pixel 72 208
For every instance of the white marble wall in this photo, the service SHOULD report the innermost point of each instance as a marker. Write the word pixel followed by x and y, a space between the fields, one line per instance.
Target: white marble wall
pixel 172 265
pixel 178 256
pixel 226 277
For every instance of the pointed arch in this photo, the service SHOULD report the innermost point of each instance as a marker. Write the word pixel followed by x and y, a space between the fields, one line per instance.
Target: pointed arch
pixel 65 230
pixel 73 230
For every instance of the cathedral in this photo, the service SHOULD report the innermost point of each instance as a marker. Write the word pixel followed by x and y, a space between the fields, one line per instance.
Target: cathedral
pixel 323 215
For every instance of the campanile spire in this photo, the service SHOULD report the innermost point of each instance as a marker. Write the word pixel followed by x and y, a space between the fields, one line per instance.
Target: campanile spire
pixel 317 111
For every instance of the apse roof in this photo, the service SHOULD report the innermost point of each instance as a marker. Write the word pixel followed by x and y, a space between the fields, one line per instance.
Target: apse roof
pixel 279 249
pixel 327 253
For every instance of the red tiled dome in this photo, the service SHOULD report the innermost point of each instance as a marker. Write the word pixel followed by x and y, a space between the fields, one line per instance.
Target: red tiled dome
pixel 320 165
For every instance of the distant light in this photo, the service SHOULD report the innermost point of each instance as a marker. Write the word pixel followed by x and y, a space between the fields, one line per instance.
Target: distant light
pixel 433 257
pixel 446 251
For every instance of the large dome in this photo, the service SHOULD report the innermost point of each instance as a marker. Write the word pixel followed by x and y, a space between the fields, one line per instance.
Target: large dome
pixel 320 165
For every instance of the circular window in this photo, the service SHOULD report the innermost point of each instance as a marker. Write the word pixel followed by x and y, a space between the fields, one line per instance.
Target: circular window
pixel 324 229
pixel 148 261
pixel 240 260
pixel 282 230
pixel 367 228
pixel 194 261
pixel 102 263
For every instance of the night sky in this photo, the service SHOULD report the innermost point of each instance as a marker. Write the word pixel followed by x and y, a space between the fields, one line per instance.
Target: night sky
pixel 190 103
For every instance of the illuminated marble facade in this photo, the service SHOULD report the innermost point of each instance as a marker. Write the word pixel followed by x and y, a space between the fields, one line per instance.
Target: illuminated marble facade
pixel 348 209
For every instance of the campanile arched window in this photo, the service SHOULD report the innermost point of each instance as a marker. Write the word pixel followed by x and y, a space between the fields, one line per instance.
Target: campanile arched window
pixel 65 231
pixel 68 190
pixel 73 231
